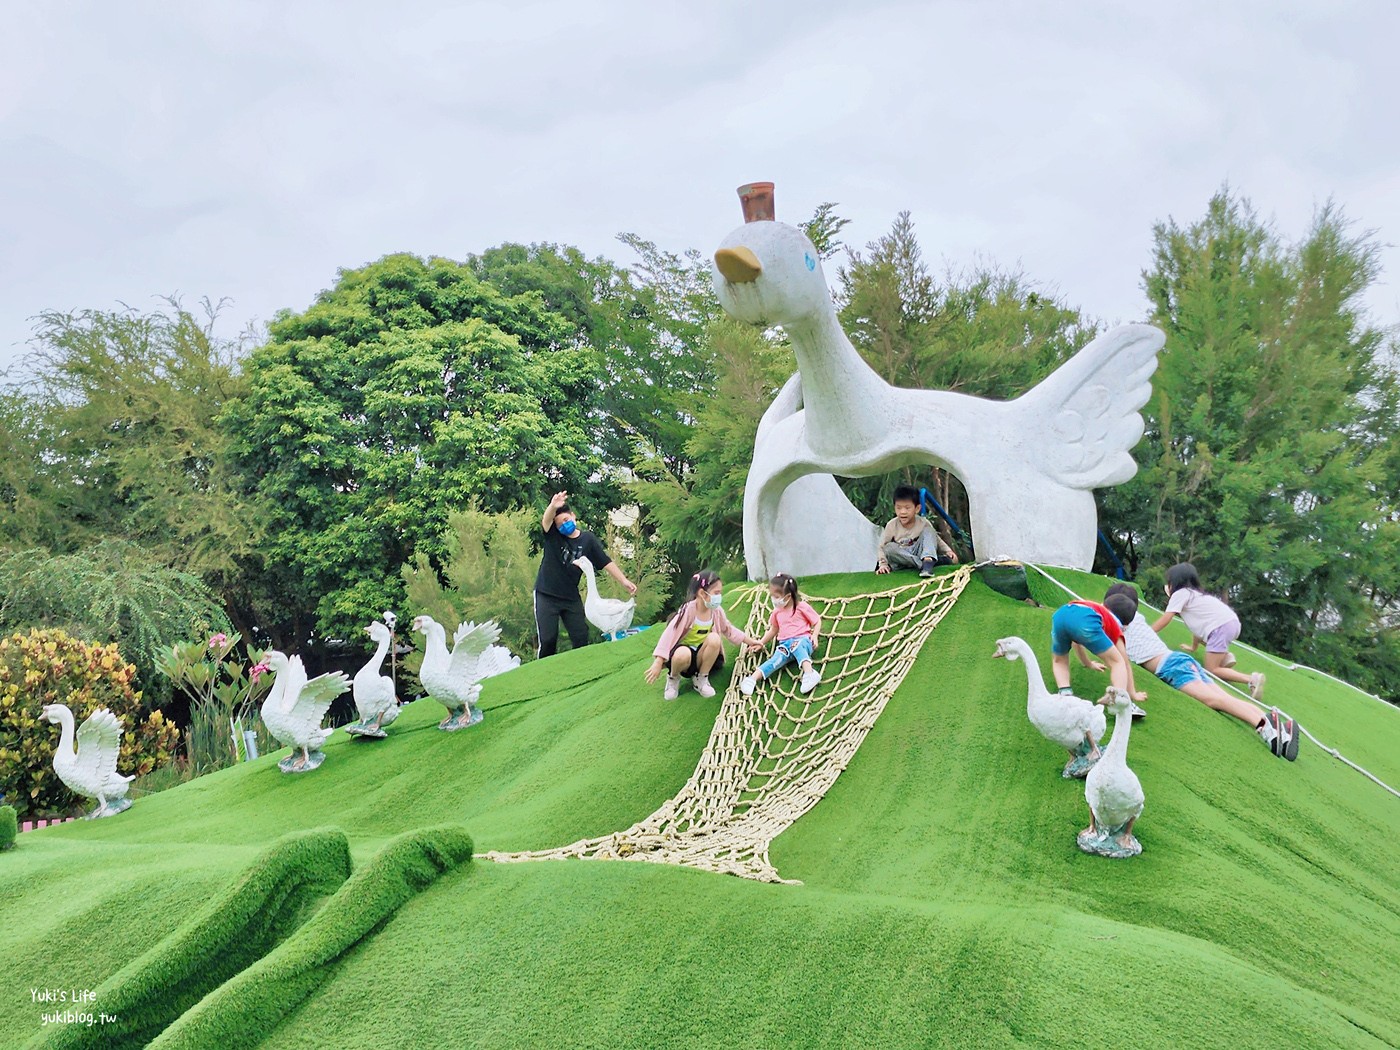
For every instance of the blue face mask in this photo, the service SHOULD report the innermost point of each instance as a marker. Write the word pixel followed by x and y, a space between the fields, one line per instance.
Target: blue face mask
pixel 567 529
pixel 714 601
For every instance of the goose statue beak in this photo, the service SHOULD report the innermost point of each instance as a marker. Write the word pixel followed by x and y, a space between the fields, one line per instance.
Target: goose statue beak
pixel 739 265
pixel 999 654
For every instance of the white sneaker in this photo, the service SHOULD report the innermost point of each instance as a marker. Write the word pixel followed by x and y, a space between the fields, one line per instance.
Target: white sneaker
pixel 1256 685
pixel 673 687
pixel 810 679
pixel 703 686
pixel 746 686
pixel 1136 711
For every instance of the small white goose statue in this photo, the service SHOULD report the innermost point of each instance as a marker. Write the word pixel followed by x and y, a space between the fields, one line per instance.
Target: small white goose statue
pixel 375 699
pixel 612 616
pixel 454 679
pixel 1075 724
pixel 294 709
pixel 1113 791
pixel 90 768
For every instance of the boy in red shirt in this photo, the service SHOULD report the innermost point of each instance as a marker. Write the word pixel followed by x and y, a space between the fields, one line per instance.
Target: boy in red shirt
pixel 1090 625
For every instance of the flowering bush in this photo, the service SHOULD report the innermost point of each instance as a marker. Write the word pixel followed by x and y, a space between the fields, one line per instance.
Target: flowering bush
pixel 52 667
pixel 223 692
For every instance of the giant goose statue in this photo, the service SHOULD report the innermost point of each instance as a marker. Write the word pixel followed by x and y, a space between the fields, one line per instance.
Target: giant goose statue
pixel 295 707
pixel 90 768
pixel 1029 465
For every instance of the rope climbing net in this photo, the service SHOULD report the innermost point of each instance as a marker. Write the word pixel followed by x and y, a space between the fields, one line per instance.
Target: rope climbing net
pixel 773 755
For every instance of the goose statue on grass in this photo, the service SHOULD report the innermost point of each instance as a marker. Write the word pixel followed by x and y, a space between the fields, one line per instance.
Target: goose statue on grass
pixel 375 699
pixel 90 768
pixel 454 678
pixel 294 709
pixel 612 616
pixel 1113 791
pixel 1030 465
pixel 1075 724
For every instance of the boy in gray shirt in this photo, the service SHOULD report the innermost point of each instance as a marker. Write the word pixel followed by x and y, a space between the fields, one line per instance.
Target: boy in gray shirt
pixel 909 540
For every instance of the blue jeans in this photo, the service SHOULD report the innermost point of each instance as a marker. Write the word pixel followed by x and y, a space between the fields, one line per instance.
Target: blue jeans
pixel 792 650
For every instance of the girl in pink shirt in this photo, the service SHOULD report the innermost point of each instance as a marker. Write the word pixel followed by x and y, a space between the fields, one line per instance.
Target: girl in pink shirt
pixel 795 625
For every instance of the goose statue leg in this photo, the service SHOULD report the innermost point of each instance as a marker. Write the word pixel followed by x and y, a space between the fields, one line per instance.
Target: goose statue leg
pixel 1081 759
pixel 1115 842
pixel 302 760
pixel 463 719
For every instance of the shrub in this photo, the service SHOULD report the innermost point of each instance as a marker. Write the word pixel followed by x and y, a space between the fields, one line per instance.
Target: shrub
pixel 52 667
pixel 235 929
pixel 9 827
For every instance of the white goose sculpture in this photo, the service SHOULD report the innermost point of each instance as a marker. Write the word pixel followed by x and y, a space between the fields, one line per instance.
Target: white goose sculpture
pixel 454 679
pixel 294 709
pixel 375 699
pixel 1029 465
pixel 1075 724
pixel 1113 791
pixel 90 768
pixel 612 616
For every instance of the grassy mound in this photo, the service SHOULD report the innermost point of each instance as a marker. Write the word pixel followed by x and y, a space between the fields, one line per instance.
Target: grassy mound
pixel 944 904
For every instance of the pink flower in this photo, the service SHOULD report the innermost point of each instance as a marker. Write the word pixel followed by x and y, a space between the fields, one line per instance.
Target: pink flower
pixel 218 641
pixel 257 670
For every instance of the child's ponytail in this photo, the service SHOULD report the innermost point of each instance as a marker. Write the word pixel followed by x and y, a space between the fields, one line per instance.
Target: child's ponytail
pixel 701 581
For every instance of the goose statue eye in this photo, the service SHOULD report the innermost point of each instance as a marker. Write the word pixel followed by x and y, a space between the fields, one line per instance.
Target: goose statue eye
pixel 807 258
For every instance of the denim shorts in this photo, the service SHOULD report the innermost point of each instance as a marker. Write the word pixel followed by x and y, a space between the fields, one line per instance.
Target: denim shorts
pixel 790 650
pixel 1077 623
pixel 1179 670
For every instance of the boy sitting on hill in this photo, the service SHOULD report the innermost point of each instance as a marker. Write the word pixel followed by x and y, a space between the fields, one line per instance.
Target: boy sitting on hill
pixel 909 540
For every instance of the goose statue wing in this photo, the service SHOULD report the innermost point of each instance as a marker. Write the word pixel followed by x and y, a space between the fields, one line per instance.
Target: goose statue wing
pixel 99 745
pixel 314 700
pixel 470 642
pixel 1091 405
pixel 496 660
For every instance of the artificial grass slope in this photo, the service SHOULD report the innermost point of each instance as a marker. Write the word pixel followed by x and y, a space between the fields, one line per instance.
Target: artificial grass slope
pixel 945 903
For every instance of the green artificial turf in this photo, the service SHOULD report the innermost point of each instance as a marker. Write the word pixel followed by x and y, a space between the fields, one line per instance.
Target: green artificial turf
pixel 944 902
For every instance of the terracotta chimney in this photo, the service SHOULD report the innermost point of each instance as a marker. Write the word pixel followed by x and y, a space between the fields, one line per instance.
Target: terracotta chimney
pixel 757 201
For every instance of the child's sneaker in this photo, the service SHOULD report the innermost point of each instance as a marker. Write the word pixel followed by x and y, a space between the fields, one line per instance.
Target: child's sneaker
pixel 703 686
pixel 673 687
pixel 746 686
pixel 1228 660
pixel 1256 685
pixel 1281 734
pixel 810 679
pixel 926 569
pixel 1136 711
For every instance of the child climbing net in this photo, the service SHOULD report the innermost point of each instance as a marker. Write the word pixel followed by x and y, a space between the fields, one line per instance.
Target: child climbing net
pixel 773 755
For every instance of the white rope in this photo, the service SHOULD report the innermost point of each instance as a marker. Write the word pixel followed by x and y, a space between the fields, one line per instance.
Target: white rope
pixel 1233 688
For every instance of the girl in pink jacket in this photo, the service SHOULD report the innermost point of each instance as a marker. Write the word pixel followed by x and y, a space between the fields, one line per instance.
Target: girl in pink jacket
pixel 690 645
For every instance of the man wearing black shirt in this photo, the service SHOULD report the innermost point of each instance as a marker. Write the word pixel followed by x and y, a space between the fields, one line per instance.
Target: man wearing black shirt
pixel 556 585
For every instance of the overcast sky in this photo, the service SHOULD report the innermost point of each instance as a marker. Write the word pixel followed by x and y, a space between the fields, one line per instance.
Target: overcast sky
pixel 249 150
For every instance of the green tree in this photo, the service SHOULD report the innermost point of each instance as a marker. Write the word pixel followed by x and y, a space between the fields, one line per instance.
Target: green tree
pixel 114 434
pixel 411 388
pixel 1266 460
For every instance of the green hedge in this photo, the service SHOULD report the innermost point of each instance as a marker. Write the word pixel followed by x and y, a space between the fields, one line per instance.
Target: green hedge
pixel 9 827
pixel 228 935
pixel 244 1011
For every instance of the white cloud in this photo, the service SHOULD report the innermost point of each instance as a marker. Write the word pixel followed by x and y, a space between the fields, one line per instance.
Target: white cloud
pixel 250 150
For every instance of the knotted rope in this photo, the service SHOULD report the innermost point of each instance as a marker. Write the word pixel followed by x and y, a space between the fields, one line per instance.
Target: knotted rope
pixel 772 756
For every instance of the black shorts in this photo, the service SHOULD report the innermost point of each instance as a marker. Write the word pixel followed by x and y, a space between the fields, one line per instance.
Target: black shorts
pixel 694 659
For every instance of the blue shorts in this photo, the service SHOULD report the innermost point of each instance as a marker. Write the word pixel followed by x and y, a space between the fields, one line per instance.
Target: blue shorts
pixel 793 650
pixel 1077 623
pixel 1179 670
